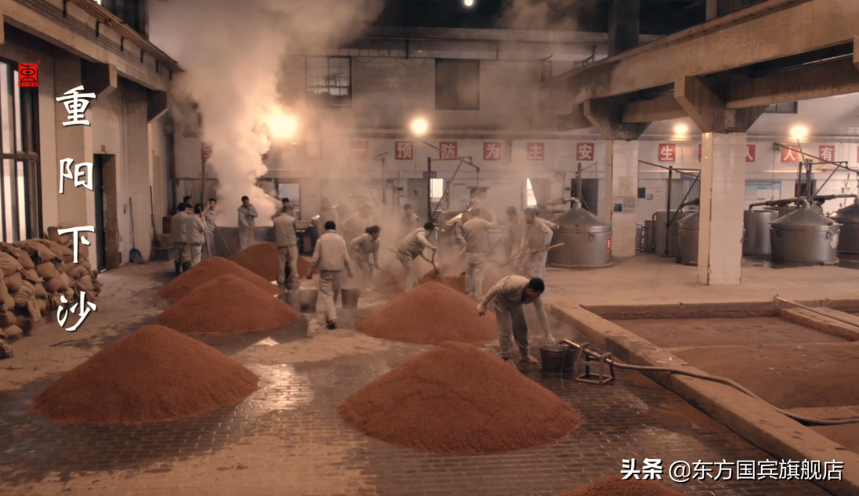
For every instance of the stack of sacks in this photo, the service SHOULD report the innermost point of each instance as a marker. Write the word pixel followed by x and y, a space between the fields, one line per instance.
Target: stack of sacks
pixel 31 275
pixel 20 313
pixel 49 266
pixel 82 277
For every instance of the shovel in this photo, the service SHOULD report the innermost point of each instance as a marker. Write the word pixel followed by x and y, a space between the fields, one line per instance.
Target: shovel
pixel 134 256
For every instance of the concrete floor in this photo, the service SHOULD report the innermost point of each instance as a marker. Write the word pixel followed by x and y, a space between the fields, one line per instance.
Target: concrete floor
pixel 288 439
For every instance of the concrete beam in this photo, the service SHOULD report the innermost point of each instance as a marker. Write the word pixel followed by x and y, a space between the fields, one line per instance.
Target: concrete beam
pixel 156 104
pixel 660 109
pixel 607 117
pixel 833 78
pixel 100 79
pixel 770 30
pixel 574 120
pixel 705 105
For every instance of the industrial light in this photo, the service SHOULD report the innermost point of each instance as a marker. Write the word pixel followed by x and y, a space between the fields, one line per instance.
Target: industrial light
pixel 419 127
pixel 282 126
pixel 799 132
pixel 681 129
pixel 469 3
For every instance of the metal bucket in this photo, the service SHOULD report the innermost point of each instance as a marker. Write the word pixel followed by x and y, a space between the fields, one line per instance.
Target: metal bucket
pixel 307 299
pixel 350 298
pixel 557 359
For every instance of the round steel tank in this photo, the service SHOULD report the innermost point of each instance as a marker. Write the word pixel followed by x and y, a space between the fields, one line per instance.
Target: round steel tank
pixel 804 237
pixel 782 211
pixel 586 238
pixel 687 239
pixel 660 219
pixel 848 217
pixel 756 242
pixel 227 239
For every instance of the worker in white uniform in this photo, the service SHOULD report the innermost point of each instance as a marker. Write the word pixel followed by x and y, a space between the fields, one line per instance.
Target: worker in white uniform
pixel 536 235
pixel 331 258
pixel 195 231
pixel 513 234
pixel 209 217
pixel 817 206
pixel 287 246
pixel 409 221
pixel 411 247
pixel 178 230
pixel 364 247
pixel 476 250
pixel 459 237
pixel 247 214
pixel 508 296
pixel 356 224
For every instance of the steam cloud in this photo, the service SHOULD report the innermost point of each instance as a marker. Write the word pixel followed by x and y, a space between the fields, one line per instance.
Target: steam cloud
pixel 231 51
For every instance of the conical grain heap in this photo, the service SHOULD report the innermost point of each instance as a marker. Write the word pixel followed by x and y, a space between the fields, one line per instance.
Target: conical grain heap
pixel 457 399
pixel 431 313
pixel 261 259
pixel 152 374
pixel 455 282
pixel 205 271
pixel 228 304
pixel 616 486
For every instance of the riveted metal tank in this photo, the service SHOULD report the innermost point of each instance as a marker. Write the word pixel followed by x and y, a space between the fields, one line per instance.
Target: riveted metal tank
pixel 660 219
pixel 804 237
pixel 227 239
pixel 687 239
pixel 756 241
pixel 586 238
pixel 848 217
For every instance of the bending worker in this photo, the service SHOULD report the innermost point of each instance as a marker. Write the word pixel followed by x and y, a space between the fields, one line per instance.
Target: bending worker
pixel 410 248
pixel 362 248
pixel 508 295
pixel 330 257
pixel 476 251
pixel 287 246
pixel 536 235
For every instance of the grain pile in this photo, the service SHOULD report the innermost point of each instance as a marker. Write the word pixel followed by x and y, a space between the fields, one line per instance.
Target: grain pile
pixel 457 399
pixel 207 270
pixel 228 304
pixel 616 486
pixel 261 259
pixel 152 374
pixel 455 282
pixel 431 313
pixel 303 265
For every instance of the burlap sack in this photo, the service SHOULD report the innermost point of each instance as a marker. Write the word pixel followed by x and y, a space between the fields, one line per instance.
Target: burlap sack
pixel 58 284
pixel 9 265
pixel 7 304
pixel 42 305
pixel 24 323
pixel 13 282
pixel 38 252
pixel 85 284
pixel 24 295
pixel 11 332
pixel 78 272
pixel 48 270
pixel 40 291
pixel 20 255
pixel 8 318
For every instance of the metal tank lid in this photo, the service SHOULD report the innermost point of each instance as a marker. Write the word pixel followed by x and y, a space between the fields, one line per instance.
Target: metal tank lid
pixel 847 215
pixel 804 219
pixel 577 219
pixel 690 221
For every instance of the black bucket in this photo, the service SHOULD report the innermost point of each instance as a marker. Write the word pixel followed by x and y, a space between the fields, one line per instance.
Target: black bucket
pixel 557 359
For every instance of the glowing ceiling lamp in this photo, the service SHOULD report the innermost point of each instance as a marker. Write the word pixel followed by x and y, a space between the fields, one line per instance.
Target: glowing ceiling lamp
pixel 799 132
pixel 282 126
pixel 420 126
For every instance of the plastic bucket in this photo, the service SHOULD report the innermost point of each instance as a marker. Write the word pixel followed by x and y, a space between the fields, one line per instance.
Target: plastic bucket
pixel 307 299
pixel 557 359
pixel 350 298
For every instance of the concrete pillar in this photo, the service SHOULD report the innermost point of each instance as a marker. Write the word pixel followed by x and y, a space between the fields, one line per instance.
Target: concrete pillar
pixel 621 191
pixel 137 163
pixel 720 244
pixel 76 206
pixel 623 25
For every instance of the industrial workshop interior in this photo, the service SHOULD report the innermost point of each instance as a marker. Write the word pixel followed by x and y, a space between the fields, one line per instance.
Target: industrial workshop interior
pixel 429 247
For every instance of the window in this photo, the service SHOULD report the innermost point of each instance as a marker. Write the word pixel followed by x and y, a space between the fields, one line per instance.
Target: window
pixel 457 84
pixel 132 12
pixel 329 81
pixel 531 200
pixel 782 108
pixel 436 188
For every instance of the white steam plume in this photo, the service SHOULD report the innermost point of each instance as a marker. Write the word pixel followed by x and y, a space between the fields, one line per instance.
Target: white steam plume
pixel 231 51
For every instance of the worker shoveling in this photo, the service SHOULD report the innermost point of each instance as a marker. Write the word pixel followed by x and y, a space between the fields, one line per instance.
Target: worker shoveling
pixel 228 304
pixel 432 313
pixel 616 486
pixel 150 375
pixel 261 259
pixel 457 399
pixel 207 270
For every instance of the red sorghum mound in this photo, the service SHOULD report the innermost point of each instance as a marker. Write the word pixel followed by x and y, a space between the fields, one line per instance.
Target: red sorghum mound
pixel 228 304
pixel 207 270
pixel 261 259
pixel 457 399
pixel 152 374
pixel 455 282
pixel 616 486
pixel 431 313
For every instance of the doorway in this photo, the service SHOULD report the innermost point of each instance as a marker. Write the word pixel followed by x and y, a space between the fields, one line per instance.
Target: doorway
pixel 417 197
pixel 590 193
pixel 106 215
